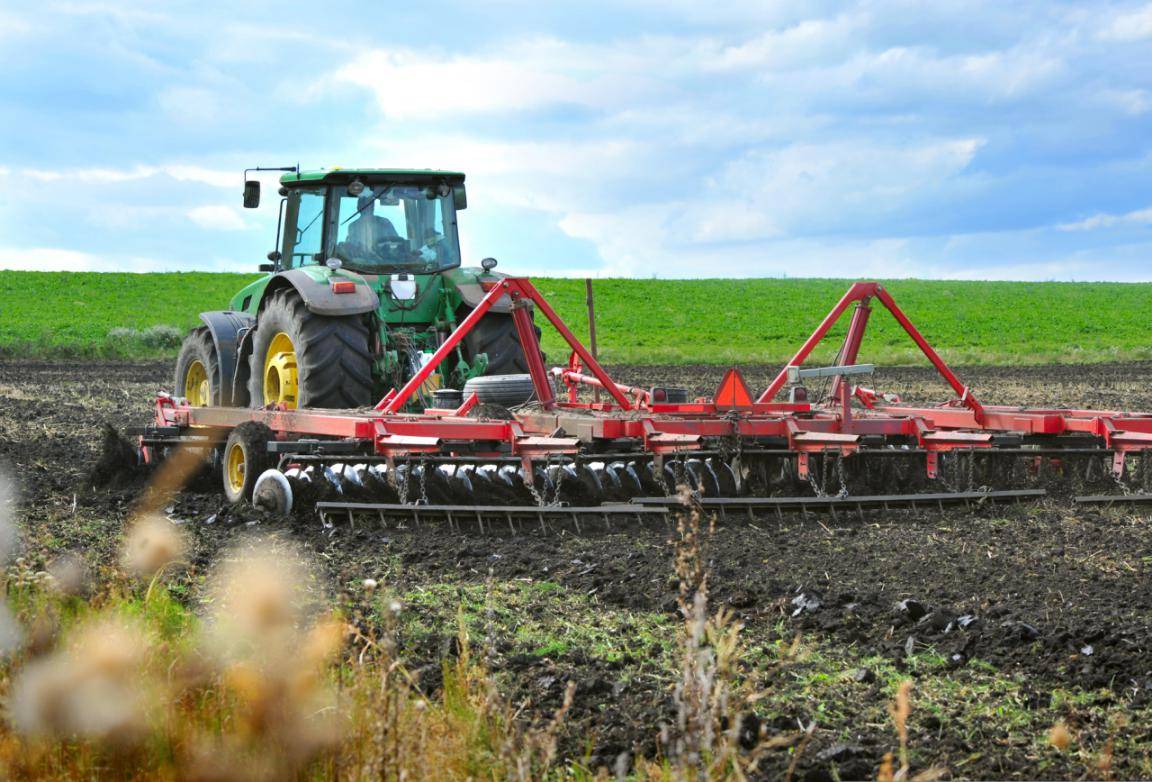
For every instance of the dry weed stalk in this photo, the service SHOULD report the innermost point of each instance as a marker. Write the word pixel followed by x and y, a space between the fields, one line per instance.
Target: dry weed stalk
pixel 1059 736
pixel 151 544
pixel 97 686
pixel 246 696
pixel 704 742
pixel 900 710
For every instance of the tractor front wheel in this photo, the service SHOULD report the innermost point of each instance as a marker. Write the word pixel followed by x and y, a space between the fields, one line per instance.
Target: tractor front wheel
pixel 301 359
pixel 198 370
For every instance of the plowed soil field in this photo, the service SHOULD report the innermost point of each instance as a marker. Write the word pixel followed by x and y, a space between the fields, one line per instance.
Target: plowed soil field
pixel 1008 620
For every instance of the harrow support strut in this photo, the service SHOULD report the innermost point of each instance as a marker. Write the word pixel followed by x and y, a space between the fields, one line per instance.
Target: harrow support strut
pixel 862 293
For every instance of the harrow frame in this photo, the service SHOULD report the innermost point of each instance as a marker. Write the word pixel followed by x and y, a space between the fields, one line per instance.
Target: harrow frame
pixel 635 422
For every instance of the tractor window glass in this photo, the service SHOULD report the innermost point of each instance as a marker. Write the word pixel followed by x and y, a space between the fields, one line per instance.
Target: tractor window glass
pixel 387 227
pixel 305 240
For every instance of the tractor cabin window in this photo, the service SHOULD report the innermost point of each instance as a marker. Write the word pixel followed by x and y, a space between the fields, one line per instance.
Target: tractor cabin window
pixel 395 228
pixel 303 241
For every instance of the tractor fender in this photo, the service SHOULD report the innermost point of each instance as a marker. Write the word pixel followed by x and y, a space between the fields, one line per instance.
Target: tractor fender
pixel 314 284
pixel 227 329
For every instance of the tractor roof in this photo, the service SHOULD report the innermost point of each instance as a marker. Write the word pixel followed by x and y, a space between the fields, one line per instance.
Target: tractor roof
pixel 395 174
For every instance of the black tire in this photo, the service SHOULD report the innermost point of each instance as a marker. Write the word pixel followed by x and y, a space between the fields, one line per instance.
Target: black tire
pixel 198 347
pixel 247 443
pixel 496 336
pixel 503 390
pixel 334 363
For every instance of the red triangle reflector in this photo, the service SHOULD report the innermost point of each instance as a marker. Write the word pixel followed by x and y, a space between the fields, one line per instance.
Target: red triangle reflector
pixel 733 393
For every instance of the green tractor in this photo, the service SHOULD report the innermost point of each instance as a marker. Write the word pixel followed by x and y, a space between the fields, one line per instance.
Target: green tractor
pixel 364 287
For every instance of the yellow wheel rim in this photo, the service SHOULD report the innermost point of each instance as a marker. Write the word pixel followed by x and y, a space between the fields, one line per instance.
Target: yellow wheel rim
pixel 235 468
pixel 197 389
pixel 280 375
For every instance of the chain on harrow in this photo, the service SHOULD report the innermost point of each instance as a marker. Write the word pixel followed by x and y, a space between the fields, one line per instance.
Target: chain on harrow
pixel 423 482
pixel 817 486
pixel 401 484
pixel 840 476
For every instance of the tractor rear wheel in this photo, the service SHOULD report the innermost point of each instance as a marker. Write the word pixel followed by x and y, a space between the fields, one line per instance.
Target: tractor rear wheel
pixel 301 359
pixel 198 370
pixel 496 336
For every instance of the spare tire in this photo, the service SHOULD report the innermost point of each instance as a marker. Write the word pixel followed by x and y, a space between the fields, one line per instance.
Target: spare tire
pixel 503 390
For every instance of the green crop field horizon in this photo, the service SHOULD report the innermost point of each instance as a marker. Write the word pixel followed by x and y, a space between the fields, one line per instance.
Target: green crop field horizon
pixel 90 315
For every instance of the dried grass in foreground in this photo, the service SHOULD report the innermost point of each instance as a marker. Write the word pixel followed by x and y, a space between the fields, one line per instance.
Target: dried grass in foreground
pixel 113 677
pixel 263 686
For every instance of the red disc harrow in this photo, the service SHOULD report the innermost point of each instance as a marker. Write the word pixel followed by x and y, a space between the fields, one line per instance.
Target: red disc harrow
pixel 626 452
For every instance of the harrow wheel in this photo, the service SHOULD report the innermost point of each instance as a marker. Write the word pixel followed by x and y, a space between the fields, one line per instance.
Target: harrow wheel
pixel 197 370
pixel 245 458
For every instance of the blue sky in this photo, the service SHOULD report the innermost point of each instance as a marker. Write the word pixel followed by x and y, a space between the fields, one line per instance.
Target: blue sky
pixel 637 138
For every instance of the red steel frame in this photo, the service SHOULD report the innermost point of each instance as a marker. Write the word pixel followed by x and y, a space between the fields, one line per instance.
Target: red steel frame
pixel 555 427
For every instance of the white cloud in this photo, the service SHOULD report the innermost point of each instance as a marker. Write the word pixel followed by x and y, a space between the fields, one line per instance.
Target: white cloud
pixel 196 105
pixel 1060 269
pixel 1132 102
pixel 104 176
pixel 525 75
pixel 59 259
pixel 549 176
pixel 807 189
pixel 412 85
pixel 121 12
pixel 217 217
pixel 642 255
pixel 815 186
pixel 1131 26
pixel 1104 220
pixel 806 43
pixel 921 76
pixel 65 260
pixel 12 25
pixel 47 259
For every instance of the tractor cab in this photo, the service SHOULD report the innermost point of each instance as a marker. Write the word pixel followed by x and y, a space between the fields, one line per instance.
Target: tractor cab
pixel 367 282
pixel 373 221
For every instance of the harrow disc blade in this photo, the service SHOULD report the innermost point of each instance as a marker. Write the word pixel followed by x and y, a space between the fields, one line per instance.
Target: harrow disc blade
pixel 273 493
pixel 626 479
pixel 382 482
pixel 725 477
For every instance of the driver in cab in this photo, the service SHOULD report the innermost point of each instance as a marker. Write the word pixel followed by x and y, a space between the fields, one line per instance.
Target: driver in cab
pixel 369 229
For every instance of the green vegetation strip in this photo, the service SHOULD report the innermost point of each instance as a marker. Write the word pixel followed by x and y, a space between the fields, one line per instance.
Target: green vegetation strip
pixel 93 315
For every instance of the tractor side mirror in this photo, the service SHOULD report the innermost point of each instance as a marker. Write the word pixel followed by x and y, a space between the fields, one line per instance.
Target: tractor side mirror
pixel 251 194
pixel 460 197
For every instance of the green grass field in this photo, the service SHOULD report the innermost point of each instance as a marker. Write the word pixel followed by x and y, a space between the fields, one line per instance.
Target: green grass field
pixel 79 315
